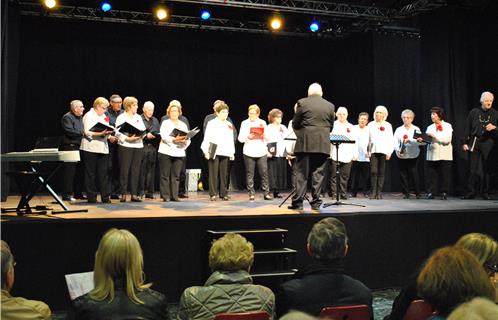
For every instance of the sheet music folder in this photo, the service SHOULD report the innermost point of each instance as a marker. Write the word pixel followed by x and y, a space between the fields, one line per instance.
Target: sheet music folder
pixel 181 133
pixel 100 127
pixel 425 137
pixel 130 130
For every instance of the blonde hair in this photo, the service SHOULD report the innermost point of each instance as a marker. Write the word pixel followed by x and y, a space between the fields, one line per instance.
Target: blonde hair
pixel 482 246
pixel 476 309
pixel 128 102
pixel 220 105
pixel 254 107
pixel 232 252
pixel 100 101
pixel 171 106
pixel 451 276
pixel 119 255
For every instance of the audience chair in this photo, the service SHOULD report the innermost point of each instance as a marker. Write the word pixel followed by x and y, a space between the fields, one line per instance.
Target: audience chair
pixel 254 315
pixel 358 312
pixel 419 310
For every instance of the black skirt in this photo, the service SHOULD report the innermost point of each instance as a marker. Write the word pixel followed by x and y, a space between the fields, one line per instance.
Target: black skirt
pixel 277 173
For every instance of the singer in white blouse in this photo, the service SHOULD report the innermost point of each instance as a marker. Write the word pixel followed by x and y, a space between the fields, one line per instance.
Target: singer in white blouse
pixel 360 171
pixel 439 154
pixel 171 153
pixel 347 153
pixel 380 149
pixel 276 132
pixel 407 150
pixel 130 150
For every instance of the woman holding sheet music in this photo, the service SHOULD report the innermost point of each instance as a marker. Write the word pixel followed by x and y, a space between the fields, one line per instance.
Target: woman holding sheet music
pixel 218 148
pixel 275 133
pixel 95 151
pixel 130 147
pixel 172 152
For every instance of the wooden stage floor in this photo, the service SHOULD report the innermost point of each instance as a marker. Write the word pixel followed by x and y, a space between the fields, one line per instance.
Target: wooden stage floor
pixel 198 205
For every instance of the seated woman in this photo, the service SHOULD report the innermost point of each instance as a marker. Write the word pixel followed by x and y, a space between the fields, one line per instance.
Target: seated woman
pixel 229 288
pixel 450 277
pixel 120 292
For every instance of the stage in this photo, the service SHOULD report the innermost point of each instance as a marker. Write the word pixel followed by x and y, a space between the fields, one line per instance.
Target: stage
pixel 388 238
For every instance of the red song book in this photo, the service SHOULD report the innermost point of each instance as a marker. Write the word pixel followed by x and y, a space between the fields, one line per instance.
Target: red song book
pixel 258 132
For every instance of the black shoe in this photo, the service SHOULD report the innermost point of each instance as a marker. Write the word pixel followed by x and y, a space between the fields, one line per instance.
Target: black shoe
pixel 469 196
pixel 295 206
pixel 344 196
pixel 80 197
pixel 123 198
pixel 430 196
pixel 115 196
pixel 485 196
pixel 444 196
pixel 406 196
pixel 135 199
pixel 276 195
pixel 92 200
pixel 354 195
pixel 183 196
pixel 417 195
pixel 106 200
pixel 268 197
pixel 149 196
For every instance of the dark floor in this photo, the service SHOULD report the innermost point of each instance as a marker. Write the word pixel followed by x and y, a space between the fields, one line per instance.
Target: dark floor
pixel 382 303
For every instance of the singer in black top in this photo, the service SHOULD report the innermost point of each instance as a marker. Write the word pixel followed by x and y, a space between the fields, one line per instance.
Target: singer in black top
pixel 149 157
pixel 479 136
pixel 312 123
pixel 113 162
pixel 72 128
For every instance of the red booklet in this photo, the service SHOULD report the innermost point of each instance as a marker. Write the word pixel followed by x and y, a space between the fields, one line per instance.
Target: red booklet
pixel 258 132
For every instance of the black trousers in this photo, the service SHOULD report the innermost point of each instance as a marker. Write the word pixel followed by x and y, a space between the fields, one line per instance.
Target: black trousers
pixel 360 176
pixel 377 172
pixel 130 160
pixel 292 164
pixel 277 174
pixel 262 164
pixel 344 171
pixel 408 174
pixel 147 170
pixel 306 163
pixel 73 174
pixel 96 169
pixel 218 175
pixel 439 171
pixel 113 169
pixel 183 175
pixel 480 172
pixel 169 182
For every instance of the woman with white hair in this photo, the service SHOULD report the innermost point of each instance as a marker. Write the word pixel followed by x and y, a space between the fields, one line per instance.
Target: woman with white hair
pixel 380 149
pixel 119 290
pixel 347 153
pixel 407 150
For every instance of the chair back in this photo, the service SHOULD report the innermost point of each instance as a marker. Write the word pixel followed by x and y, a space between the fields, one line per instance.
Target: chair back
pixel 418 310
pixel 358 312
pixel 253 315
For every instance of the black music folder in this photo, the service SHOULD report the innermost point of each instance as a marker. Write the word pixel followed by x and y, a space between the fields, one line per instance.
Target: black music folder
pixel 181 133
pixel 425 137
pixel 130 130
pixel 100 127
pixel 212 150
pixel 272 148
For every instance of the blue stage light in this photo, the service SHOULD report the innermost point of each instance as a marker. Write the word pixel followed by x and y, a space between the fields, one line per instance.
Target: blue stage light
pixel 314 26
pixel 205 15
pixel 105 6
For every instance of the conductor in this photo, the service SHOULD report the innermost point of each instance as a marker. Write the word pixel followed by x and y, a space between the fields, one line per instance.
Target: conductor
pixel 312 123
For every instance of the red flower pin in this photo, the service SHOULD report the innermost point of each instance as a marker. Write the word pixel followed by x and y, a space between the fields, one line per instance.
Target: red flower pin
pixel 405 137
pixel 107 119
pixel 281 130
pixel 382 128
pixel 439 127
pixel 230 127
pixel 348 130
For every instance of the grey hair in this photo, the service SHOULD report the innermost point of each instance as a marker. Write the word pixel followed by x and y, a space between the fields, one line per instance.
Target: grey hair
pixel 485 93
pixel 315 89
pixel 342 110
pixel 407 112
pixel 175 103
pixel 327 239
pixel 73 104
pixel 382 109
pixel 148 104
pixel 7 262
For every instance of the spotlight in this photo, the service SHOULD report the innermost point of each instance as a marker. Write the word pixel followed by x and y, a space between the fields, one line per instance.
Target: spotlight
pixel 161 13
pixel 105 6
pixel 314 26
pixel 276 23
pixel 50 3
pixel 205 15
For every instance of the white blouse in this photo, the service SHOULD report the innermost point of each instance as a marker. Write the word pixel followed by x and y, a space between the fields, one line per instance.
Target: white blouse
pixel 256 147
pixel 412 147
pixel 381 138
pixel 362 137
pixel 220 133
pixel 347 151
pixel 95 144
pixel 290 144
pixel 277 134
pixel 137 122
pixel 440 148
pixel 166 146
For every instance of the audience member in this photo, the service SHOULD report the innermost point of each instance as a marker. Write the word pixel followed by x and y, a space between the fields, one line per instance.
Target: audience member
pixel 451 276
pixel 229 288
pixel 476 309
pixel 119 292
pixel 17 308
pixel 297 315
pixel 323 282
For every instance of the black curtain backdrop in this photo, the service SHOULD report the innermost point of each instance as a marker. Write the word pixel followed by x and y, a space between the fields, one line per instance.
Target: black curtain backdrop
pixel 61 60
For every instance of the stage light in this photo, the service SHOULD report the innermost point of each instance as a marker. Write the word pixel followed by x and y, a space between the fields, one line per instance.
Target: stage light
pixel 205 15
pixel 276 23
pixel 161 13
pixel 105 6
pixel 314 26
pixel 50 3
